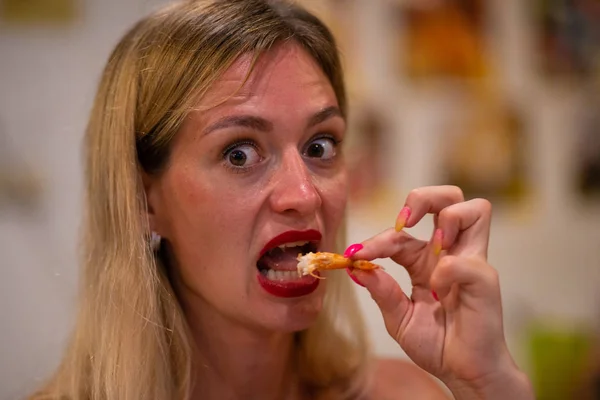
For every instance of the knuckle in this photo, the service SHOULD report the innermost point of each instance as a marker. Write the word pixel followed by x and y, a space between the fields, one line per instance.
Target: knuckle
pixel 400 239
pixel 448 214
pixel 484 205
pixel 416 195
pixel 442 271
pixel 446 263
pixel 488 273
pixel 457 192
pixel 494 275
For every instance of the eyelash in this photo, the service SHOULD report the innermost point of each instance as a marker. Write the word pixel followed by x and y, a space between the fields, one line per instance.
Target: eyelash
pixel 241 142
pixel 336 142
pixel 237 143
pixel 233 145
pixel 325 136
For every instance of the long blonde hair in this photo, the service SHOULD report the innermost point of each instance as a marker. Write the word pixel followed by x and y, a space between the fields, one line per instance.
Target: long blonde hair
pixel 131 340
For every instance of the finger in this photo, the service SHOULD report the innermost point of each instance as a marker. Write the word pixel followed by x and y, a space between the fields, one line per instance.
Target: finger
pixel 427 200
pixel 399 246
pixel 464 228
pixel 473 275
pixel 389 297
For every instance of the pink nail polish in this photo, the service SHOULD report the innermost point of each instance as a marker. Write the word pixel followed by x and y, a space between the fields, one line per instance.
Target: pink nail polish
pixel 403 217
pixel 353 249
pixel 354 278
pixel 435 296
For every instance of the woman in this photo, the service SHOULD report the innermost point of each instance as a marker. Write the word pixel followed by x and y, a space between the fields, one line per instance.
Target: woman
pixel 213 159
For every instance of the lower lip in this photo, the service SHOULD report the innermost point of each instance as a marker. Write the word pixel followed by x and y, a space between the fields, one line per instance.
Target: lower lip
pixel 287 289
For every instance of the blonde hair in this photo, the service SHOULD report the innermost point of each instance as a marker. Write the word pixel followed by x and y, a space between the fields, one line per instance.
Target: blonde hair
pixel 131 340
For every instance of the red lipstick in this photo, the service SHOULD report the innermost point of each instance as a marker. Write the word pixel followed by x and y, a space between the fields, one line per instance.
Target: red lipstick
pixel 310 235
pixel 296 288
pixel 271 266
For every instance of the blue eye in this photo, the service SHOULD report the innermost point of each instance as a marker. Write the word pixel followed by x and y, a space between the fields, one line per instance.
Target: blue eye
pixel 323 148
pixel 242 155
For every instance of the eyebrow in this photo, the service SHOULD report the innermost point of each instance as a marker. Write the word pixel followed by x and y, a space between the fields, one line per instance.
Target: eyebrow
pixel 263 125
pixel 246 121
pixel 324 115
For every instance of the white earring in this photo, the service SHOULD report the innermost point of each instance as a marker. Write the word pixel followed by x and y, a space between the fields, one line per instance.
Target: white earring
pixel 155 241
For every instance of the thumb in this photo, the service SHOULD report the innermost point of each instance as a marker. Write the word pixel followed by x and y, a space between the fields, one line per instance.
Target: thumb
pixel 388 296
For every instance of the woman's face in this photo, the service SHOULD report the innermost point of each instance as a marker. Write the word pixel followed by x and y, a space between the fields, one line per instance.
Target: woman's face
pixel 251 183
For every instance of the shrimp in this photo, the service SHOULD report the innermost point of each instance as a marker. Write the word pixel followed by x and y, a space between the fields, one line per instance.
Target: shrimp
pixel 311 262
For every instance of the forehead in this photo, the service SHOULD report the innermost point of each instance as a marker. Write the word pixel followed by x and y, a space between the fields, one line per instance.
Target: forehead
pixel 284 77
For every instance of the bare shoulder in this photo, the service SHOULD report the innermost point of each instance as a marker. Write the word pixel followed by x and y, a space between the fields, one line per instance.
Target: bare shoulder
pixel 397 379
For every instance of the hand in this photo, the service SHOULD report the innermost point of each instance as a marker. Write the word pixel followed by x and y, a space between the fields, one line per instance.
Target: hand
pixel 460 338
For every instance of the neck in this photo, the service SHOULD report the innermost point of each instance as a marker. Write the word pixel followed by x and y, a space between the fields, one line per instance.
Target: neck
pixel 236 362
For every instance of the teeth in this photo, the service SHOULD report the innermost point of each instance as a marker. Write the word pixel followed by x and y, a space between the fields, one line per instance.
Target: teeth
pixel 292 244
pixel 273 275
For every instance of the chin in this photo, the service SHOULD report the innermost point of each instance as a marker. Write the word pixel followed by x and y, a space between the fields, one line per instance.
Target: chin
pixel 292 316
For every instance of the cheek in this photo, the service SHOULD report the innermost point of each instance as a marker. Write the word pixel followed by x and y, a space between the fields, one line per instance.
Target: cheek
pixel 207 219
pixel 208 199
pixel 334 194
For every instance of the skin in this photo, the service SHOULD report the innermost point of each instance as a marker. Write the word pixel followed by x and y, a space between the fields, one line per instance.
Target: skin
pixel 460 338
pixel 214 216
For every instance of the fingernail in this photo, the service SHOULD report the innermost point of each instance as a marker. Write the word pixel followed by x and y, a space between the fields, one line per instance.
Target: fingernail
pixel 435 296
pixel 438 238
pixel 402 218
pixel 353 249
pixel 354 278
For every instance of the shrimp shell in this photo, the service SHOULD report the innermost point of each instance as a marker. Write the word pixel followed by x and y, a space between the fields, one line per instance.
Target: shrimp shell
pixel 311 262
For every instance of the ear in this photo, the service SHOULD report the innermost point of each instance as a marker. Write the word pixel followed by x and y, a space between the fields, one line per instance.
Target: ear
pixel 152 196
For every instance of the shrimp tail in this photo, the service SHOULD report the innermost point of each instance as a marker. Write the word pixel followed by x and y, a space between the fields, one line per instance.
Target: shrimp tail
pixel 311 262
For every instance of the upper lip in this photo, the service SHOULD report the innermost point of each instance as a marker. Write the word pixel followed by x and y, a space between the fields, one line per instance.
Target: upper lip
pixel 309 235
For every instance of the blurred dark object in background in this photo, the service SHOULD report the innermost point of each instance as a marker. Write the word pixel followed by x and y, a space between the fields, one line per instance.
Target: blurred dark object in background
pixel 589 179
pixel 587 176
pixel 570 37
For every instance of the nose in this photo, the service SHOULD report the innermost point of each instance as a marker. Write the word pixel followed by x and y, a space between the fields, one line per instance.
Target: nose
pixel 294 188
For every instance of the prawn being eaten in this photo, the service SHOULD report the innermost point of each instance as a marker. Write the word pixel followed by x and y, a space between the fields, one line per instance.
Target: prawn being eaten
pixel 311 262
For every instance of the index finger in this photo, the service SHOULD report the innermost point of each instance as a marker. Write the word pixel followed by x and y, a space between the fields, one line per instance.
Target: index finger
pixel 400 247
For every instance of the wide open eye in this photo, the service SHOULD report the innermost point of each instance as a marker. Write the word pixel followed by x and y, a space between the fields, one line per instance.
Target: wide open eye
pixel 323 148
pixel 241 155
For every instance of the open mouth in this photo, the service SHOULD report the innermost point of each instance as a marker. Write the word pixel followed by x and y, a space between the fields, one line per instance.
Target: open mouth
pixel 280 263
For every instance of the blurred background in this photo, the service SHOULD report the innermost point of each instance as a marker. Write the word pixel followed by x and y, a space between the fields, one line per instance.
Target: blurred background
pixel 501 97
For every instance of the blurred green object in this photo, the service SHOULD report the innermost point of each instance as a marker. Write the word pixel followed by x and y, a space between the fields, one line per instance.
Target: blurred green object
pixel 559 358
